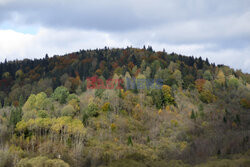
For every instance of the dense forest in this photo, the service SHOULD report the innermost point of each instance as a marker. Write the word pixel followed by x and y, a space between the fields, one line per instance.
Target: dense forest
pixel 49 117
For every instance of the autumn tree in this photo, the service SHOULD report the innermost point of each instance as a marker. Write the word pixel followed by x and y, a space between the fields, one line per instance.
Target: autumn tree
pixel 167 97
pixel 19 74
pixel 199 84
pixel 220 78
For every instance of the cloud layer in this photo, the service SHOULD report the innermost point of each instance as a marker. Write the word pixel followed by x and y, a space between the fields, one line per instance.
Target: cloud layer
pixel 219 30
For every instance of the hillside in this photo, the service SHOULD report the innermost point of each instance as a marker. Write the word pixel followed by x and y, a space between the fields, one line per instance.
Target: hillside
pixel 123 107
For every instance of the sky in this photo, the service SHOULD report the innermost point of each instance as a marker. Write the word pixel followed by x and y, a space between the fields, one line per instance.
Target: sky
pixel 215 29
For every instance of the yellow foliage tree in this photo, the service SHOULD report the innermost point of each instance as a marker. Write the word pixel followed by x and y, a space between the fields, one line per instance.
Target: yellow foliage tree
pixel 167 97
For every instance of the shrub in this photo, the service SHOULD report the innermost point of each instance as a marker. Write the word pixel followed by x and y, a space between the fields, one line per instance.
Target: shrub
pixel 41 161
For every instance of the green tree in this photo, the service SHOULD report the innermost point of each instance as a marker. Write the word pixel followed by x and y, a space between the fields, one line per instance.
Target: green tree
pixel 15 116
pixel 19 74
pixel 155 66
pixel 147 72
pixel 21 101
pixel 61 94
pixel 173 66
pixel 207 75
pixel 130 142
pixel 178 77
pixel 143 65
pixel 72 96
pixel 90 111
pixel 34 104
pixel 157 97
pixel 42 114
pixel 233 82
pixel 193 115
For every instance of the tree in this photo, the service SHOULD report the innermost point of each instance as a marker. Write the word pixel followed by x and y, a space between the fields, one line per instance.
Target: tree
pixel 188 81
pixel 155 66
pixel 220 78
pixel 131 65
pixel 72 96
pixel 21 101
pixel 200 63
pixel 193 115
pixel 90 111
pixel 178 78
pixel 173 66
pixel 42 114
pixel 30 103
pixel 233 82
pixel 147 72
pixel 118 71
pixel 134 70
pixel 15 116
pixel 40 101
pixel 207 97
pixel 68 110
pixel 130 142
pixel 19 74
pixel 61 94
pixel 207 75
pixel 143 65
pixel 150 49
pixel 75 104
pixel 157 97
pixel 199 84
pixel 6 75
pixel 44 85
pixel 167 97
pixel 208 86
pixel 34 104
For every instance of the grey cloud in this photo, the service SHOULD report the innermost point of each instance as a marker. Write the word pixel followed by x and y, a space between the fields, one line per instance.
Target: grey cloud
pixel 176 22
pixel 118 15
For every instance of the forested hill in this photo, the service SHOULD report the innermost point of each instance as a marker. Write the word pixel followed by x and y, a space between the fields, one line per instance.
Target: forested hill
pixel 32 76
pixel 199 116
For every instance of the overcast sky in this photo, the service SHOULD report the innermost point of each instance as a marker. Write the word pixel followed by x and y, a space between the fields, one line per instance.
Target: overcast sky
pixel 216 29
